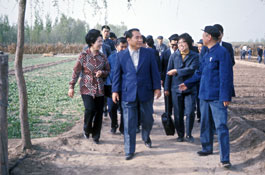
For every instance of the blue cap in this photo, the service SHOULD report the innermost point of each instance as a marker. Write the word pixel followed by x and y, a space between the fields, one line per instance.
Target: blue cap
pixel 200 41
pixel 213 31
pixel 160 37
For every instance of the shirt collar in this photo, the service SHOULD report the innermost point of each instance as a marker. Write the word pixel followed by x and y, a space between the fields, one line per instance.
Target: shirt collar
pixel 131 51
pixel 172 51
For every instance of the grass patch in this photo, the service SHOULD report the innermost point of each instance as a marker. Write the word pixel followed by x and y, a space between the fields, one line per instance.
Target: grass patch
pixel 50 110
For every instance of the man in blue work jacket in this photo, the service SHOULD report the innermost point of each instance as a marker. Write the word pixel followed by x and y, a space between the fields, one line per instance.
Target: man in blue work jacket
pixel 137 78
pixel 216 78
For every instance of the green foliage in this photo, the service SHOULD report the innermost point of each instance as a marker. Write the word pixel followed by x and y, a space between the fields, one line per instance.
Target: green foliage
pixel 8 32
pixel 50 110
pixel 64 30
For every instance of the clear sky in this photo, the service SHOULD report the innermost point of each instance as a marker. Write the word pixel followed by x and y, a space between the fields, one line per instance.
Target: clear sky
pixel 242 20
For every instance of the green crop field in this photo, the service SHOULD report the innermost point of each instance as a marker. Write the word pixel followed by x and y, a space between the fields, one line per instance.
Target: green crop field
pixel 50 110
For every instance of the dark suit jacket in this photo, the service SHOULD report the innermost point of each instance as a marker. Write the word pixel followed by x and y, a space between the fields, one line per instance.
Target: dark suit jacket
pixel 230 49
pixel 164 62
pixel 106 50
pixel 185 69
pixel 136 84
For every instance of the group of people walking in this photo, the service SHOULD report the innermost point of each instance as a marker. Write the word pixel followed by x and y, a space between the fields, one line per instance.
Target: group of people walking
pixel 248 51
pixel 131 77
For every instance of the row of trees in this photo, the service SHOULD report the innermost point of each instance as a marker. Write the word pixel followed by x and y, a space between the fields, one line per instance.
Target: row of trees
pixel 64 30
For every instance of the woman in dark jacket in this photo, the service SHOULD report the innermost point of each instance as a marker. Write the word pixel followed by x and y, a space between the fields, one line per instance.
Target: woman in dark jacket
pixel 181 66
pixel 93 67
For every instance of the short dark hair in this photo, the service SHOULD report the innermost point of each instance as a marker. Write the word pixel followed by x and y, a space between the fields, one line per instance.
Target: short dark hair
pixel 92 36
pixel 144 39
pixel 128 33
pixel 173 37
pixel 112 35
pixel 121 40
pixel 187 38
pixel 219 27
pixel 150 41
pixel 105 27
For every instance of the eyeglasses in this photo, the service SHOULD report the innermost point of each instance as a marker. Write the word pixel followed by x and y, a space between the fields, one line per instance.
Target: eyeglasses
pixel 174 45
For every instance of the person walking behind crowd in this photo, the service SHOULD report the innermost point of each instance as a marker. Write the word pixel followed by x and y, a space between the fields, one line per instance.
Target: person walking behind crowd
pixel 249 53
pixel 229 48
pixel 181 66
pixel 216 77
pixel 243 52
pixel 264 54
pixel 94 68
pixel 136 76
pixel 151 45
pixel 105 30
pixel 201 53
pixel 160 47
pixel 226 45
pixel 173 46
pixel 121 44
pixel 113 37
pixel 260 51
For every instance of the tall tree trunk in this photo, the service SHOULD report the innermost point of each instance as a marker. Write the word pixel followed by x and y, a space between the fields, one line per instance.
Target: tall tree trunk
pixel 23 98
pixel 3 114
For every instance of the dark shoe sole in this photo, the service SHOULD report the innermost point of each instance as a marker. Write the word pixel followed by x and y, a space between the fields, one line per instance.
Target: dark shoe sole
pixel 202 153
pixel 129 157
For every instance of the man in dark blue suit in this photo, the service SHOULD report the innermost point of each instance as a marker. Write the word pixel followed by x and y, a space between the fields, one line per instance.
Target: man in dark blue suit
pixel 226 45
pixel 173 46
pixel 137 77
pixel 105 30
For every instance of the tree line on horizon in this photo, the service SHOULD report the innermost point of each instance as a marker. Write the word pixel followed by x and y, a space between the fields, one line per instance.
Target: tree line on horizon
pixel 66 30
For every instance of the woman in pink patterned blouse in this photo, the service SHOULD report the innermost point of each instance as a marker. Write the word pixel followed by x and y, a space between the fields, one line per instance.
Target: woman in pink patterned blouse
pixel 93 67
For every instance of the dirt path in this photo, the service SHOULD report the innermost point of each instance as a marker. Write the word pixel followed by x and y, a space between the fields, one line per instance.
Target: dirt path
pixel 41 66
pixel 71 154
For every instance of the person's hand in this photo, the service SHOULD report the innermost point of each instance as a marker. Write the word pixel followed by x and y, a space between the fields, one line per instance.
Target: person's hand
pixel 115 97
pixel 226 103
pixel 98 73
pixel 71 93
pixel 166 93
pixel 157 93
pixel 182 87
pixel 172 72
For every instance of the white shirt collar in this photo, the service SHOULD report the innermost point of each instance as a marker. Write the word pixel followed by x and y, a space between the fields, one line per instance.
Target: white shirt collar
pixel 131 51
pixel 171 50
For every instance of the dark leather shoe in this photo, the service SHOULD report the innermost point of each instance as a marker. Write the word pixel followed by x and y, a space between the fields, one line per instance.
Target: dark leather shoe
pixel 96 141
pixel 129 156
pixel 204 153
pixel 190 139
pixel 113 130
pixel 148 143
pixel 226 164
pixel 180 139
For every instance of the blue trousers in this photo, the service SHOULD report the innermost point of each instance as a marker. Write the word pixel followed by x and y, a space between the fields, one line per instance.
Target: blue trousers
pixel 113 113
pixel 130 120
pixel 259 59
pixel 183 104
pixel 214 113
